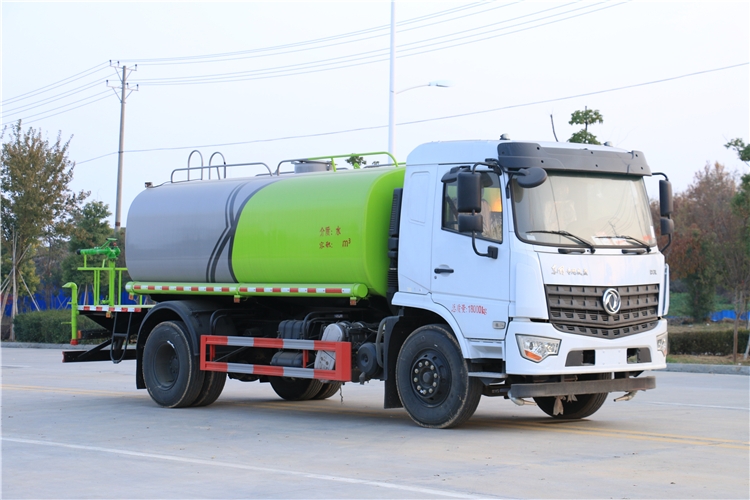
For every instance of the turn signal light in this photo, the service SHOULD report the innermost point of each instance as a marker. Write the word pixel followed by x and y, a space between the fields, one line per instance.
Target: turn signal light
pixel 537 348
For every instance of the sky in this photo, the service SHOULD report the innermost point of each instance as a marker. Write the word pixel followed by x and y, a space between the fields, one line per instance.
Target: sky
pixel 268 81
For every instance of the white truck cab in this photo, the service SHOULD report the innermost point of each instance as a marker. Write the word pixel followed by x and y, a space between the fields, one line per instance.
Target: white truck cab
pixel 561 278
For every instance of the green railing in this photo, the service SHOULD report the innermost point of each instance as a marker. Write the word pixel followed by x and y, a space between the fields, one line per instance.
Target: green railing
pixel 113 278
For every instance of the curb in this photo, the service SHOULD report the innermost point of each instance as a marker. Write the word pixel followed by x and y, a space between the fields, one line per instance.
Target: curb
pixel 35 345
pixel 715 369
pixel 671 367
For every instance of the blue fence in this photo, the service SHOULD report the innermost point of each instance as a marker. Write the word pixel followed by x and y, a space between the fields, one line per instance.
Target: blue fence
pixel 727 315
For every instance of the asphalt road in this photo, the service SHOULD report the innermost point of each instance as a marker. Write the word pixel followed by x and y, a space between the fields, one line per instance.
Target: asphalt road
pixel 84 431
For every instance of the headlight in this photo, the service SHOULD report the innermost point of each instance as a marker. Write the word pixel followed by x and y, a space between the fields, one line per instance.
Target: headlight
pixel 537 348
pixel 662 344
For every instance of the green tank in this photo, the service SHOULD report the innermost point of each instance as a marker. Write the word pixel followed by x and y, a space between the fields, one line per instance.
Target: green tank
pixel 316 228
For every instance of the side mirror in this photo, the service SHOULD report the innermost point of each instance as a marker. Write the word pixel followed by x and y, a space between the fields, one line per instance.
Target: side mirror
pixel 667 226
pixel 468 223
pixel 469 192
pixel 665 200
pixel 531 177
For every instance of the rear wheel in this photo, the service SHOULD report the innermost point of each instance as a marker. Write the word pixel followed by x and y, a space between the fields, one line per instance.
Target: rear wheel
pixel 213 384
pixel 576 407
pixel 170 370
pixel 296 389
pixel 433 379
pixel 329 389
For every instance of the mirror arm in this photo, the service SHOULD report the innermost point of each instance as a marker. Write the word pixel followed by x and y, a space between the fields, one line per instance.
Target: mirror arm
pixel 491 250
pixel 669 242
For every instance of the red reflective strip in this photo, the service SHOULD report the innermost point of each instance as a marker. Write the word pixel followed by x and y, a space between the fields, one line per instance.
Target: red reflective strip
pixel 195 289
pixel 269 343
pixel 180 288
pixel 277 290
pixel 225 289
pixel 243 289
pixel 212 366
pixel 334 290
pixel 273 371
pixel 312 290
pixel 328 375
pixel 150 287
pixel 260 290
pixel 214 340
pixel 294 290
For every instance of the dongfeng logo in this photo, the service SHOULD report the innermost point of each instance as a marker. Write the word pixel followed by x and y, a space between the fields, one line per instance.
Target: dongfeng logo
pixel 611 301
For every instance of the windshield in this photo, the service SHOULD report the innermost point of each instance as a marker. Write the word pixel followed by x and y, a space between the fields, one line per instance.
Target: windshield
pixel 582 209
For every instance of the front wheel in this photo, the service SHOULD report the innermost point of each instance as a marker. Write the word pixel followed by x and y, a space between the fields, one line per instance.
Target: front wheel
pixel 577 406
pixel 170 370
pixel 433 379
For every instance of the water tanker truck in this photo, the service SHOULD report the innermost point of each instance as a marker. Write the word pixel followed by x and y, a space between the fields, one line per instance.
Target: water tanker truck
pixel 523 270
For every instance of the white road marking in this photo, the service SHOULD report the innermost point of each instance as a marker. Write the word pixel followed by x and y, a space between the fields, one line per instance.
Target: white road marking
pixel 215 463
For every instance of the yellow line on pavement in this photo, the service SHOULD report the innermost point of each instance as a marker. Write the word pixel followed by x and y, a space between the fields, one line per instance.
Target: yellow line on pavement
pixel 569 427
pixel 66 390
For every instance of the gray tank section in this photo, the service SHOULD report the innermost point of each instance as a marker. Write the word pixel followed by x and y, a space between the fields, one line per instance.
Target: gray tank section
pixel 182 232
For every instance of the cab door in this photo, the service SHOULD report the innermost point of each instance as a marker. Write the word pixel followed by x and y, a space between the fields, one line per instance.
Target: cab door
pixel 473 288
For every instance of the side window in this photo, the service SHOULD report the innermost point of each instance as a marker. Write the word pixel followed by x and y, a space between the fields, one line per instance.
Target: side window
pixel 492 207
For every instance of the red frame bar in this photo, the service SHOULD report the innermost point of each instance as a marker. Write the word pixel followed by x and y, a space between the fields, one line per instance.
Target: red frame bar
pixel 342 371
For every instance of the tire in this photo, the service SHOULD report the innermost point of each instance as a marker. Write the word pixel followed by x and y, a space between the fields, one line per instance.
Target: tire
pixel 584 406
pixel 213 384
pixel 329 389
pixel 433 380
pixel 170 370
pixel 296 389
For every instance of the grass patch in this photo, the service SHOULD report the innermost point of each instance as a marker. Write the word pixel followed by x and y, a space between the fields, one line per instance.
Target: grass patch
pixel 707 360
pixel 678 304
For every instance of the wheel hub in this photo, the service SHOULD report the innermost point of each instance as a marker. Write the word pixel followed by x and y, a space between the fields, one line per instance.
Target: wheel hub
pixel 428 377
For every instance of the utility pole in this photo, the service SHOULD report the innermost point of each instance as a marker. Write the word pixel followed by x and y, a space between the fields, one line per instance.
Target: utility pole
pixel 122 97
pixel 392 92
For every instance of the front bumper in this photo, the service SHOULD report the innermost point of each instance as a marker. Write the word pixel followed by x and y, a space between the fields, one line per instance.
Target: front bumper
pixel 611 355
pixel 582 387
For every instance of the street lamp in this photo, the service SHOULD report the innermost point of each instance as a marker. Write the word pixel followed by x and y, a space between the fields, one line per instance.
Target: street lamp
pixel 392 108
pixel 392 84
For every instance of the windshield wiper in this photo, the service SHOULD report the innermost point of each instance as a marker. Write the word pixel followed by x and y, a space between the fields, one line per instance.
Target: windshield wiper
pixel 569 235
pixel 640 243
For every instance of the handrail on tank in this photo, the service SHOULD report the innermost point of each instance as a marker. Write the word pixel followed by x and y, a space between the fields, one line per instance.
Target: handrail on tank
pixel 333 163
pixel 225 166
pixel 218 172
pixel 188 163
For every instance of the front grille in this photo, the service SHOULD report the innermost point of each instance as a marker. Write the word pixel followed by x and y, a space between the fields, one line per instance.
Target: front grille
pixel 579 310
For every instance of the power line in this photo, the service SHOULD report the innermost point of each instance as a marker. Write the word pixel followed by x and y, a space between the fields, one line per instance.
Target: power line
pixel 340 62
pixel 376 55
pixel 209 78
pixel 46 88
pixel 52 99
pixel 227 56
pixel 61 112
pixel 447 117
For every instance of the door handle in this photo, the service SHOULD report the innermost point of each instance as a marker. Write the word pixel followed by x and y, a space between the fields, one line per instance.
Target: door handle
pixel 441 270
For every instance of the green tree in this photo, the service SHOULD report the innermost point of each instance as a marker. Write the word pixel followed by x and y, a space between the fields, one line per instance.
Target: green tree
pixel 36 199
pixel 586 117
pixel 742 149
pixel 741 208
pixel 709 245
pixel 356 161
